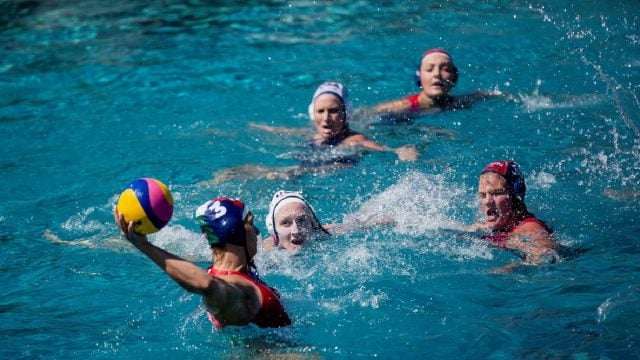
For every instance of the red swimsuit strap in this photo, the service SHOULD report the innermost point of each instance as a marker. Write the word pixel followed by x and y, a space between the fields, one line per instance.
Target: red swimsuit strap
pixel 414 102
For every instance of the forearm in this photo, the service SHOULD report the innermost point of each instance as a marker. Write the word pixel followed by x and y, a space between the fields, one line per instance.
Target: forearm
pixel 188 275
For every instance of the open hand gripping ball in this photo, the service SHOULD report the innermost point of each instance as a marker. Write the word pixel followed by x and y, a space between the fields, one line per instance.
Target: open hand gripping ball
pixel 148 203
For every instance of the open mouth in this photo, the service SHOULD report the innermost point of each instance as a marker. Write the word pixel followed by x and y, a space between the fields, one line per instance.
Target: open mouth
pixel 297 241
pixel 492 214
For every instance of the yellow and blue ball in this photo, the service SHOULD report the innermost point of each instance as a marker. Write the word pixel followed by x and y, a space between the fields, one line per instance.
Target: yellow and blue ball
pixel 148 203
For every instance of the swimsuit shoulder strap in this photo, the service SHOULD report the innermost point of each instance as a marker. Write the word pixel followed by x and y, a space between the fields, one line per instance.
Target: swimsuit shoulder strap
pixel 414 102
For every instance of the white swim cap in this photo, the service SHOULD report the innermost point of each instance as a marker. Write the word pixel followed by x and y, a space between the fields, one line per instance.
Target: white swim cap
pixel 337 89
pixel 281 198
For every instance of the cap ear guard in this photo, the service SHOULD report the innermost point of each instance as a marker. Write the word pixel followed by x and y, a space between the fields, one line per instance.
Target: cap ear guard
pixel 519 187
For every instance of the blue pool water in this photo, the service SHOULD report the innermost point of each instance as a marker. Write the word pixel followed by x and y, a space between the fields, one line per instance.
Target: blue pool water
pixel 93 97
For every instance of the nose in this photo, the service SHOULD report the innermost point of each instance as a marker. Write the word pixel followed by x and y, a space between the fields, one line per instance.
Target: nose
pixel 295 228
pixel 326 117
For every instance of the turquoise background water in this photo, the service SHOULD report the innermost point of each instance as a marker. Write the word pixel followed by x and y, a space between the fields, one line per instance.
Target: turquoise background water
pixel 94 96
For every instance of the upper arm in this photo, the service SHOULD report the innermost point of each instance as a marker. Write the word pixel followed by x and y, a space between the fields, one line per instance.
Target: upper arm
pixel 395 106
pixel 535 242
pixel 537 234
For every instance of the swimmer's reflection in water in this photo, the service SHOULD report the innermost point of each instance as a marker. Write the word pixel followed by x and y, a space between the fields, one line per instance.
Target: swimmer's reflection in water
pixel 333 145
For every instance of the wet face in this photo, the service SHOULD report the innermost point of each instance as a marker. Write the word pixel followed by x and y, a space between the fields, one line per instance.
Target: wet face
pixel 328 116
pixel 496 202
pixel 436 75
pixel 293 223
pixel 252 233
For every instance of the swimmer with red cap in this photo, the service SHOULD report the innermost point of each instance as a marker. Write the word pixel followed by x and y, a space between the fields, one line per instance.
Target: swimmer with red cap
pixel 436 75
pixel 507 221
pixel 230 289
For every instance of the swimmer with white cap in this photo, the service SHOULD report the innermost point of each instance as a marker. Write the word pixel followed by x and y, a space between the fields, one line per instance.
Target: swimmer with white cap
pixel 291 222
pixel 330 110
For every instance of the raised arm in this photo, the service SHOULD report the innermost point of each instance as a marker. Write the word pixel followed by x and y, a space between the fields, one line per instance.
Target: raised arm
pixel 218 294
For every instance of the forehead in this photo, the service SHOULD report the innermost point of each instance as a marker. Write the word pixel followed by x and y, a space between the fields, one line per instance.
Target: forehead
pixel 328 99
pixel 291 209
pixel 491 181
pixel 436 58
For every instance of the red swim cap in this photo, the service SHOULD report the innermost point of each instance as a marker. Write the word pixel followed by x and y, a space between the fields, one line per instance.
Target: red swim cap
pixel 511 172
pixel 436 50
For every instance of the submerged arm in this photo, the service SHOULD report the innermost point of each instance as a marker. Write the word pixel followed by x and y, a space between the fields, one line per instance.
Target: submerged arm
pixel 280 130
pixel 404 153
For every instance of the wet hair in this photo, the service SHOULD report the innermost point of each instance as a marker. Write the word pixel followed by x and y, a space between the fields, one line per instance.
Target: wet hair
pixel 510 171
pixel 454 69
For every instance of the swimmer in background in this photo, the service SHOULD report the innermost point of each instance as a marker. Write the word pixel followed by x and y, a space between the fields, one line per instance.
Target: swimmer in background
pixel 230 289
pixel 330 110
pixel 508 224
pixel 436 75
pixel 292 223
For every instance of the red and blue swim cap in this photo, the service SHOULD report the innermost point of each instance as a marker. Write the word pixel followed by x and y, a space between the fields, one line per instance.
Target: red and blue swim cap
pixel 511 172
pixel 222 221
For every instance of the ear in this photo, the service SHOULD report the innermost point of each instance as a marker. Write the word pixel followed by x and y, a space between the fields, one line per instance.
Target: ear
pixel 417 77
pixel 454 75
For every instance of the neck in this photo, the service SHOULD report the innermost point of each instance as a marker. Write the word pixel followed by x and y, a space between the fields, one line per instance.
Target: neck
pixel 230 257
pixel 519 214
pixel 438 101
pixel 343 134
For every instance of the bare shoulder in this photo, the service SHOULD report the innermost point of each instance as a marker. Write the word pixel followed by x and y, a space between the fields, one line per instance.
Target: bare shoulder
pixel 531 227
pixel 537 233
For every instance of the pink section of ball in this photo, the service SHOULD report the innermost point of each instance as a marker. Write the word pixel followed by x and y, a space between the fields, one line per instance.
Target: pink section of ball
pixel 162 208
